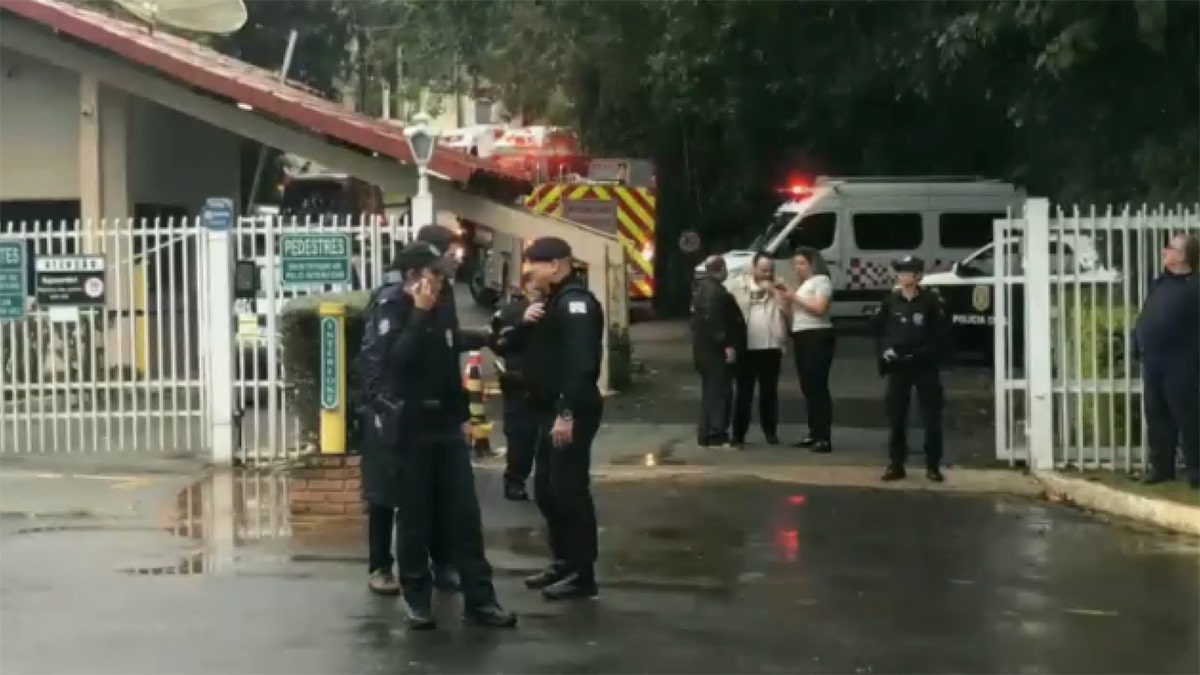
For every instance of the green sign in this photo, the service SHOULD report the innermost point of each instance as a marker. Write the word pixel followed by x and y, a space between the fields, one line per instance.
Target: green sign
pixel 13 284
pixel 330 364
pixel 315 258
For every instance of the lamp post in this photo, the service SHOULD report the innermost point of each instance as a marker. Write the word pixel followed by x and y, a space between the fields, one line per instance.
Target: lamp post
pixel 421 142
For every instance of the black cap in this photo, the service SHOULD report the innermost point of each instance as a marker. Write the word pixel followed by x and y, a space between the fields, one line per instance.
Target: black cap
pixel 441 238
pixel 421 255
pixel 909 263
pixel 547 249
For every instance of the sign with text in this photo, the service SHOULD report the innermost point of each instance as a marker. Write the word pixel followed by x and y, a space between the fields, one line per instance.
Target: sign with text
pixel 69 280
pixel 315 258
pixel 330 364
pixel 13 285
pixel 217 213
pixel 600 214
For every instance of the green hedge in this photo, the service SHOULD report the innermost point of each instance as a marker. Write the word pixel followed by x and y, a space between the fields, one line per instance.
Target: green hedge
pixel 301 354
pixel 1101 337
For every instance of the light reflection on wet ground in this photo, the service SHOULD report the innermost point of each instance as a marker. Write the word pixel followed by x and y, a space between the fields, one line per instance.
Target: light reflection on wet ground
pixel 698 576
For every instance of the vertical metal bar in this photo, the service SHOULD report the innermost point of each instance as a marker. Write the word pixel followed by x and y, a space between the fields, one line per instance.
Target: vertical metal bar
pixel 272 344
pixel 1127 270
pixel 176 406
pixel 1000 369
pixel 187 385
pixel 1113 314
pixel 29 343
pixel 161 335
pixel 99 322
pixel 141 390
pixel 1076 445
pixel 57 246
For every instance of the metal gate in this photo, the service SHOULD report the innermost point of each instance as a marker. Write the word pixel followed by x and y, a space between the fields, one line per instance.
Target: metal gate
pixel 122 376
pixel 274 421
pixel 1067 291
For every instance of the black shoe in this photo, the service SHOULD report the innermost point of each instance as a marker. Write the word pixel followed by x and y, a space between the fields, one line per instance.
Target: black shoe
pixel 1194 482
pixel 822 447
pixel 1157 478
pixel 547 577
pixel 772 439
pixel 894 473
pixel 419 618
pixel 934 475
pixel 514 491
pixel 571 587
pixel 446 578
pixel 491 616
pixel 806 442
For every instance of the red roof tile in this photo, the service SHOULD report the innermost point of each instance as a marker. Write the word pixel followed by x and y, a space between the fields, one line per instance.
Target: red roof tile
pixel 206 69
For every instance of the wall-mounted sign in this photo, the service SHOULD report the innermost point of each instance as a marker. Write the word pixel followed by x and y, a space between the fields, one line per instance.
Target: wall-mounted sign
pixel 600 214
pixel 69 280
pixel 13 284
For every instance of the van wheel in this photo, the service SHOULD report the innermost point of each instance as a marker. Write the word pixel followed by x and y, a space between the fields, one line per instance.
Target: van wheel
pixel 483 296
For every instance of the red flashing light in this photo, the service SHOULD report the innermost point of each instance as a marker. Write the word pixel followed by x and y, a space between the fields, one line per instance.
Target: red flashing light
pixel 796 500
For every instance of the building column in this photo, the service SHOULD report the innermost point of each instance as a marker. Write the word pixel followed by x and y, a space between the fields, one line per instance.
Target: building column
pixel 90 186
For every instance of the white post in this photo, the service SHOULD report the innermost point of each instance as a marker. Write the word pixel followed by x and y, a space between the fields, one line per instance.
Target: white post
pixel 218 218
pixel 1039 370
pixel 422 203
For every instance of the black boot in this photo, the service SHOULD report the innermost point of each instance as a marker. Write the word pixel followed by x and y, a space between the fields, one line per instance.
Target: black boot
pixel 894 472
pixel 418 612
pixel 514 491
pixel 934 474
pixel 547 577
pixel 491 616
pixel 573 586
pixel 821 447
pixel 445 578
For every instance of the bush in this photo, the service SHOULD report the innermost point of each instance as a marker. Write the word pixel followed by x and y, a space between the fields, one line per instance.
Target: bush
pixel 1101 338
pixel 301 353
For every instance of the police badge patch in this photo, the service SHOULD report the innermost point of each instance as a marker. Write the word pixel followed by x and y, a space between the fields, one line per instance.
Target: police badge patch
pixel 918 318
pixel 449 338
pixel 384 327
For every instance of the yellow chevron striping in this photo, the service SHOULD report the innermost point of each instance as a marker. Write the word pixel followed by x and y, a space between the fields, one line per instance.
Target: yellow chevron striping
pixel 629 202
pixel 635 256
pixel 643 288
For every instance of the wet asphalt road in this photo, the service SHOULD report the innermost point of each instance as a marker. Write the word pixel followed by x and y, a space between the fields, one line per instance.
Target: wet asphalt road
pixel 698 576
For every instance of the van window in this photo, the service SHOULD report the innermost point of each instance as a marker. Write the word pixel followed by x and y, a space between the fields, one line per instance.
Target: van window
pixel 966 230
pixel 887 231
pixel 814 231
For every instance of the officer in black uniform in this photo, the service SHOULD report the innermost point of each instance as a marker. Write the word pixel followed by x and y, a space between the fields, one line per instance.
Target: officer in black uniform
pixel 912 335
pixel 424 416
pixel 520 426
pixel 566 334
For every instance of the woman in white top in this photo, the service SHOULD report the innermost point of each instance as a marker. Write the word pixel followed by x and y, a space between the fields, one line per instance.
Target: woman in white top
pixel 813 343
pixel 764 305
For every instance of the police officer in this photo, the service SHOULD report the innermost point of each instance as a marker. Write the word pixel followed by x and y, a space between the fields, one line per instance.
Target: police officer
pixel 520 426
pixel 565 334
pixel 444 242
pixel 912 336
pixel 426 423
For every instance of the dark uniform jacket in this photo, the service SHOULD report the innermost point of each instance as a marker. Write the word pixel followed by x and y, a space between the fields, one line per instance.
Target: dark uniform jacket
pixel 918 330
pixel 564 351
pixel 409 382
pixel 507 342
pixel 1168 327
pixel 464 340
pixel 717 323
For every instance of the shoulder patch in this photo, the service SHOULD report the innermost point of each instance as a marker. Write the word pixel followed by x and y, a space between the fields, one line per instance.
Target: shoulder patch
pixel 577 307
pixel 384 326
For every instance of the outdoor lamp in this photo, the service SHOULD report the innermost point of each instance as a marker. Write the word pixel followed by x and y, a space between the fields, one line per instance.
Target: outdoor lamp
pixel 421 139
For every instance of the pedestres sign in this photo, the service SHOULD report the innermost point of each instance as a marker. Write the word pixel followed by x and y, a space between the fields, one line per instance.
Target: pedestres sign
pixel 69 281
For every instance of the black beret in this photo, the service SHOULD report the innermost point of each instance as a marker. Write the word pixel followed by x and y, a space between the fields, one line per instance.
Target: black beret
pixel 548 249
pixel 420 255
pixel 441 238
pixel 909 263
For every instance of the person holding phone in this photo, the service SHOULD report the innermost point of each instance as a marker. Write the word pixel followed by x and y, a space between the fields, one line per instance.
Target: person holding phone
pixel 424 424
pixel 813 346
pixel 764 303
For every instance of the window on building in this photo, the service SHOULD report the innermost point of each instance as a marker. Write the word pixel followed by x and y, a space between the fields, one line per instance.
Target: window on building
pixel 813 231
pixel 887 231
pixel 966 230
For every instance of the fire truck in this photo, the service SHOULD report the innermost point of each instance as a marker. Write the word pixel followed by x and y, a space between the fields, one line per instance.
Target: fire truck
pixel 613 195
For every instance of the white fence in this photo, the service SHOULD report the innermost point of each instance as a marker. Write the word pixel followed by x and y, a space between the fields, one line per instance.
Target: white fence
pixel 1068 389
pixel 131 374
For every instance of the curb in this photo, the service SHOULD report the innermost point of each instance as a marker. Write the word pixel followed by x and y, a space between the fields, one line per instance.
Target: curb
pixel 1102 498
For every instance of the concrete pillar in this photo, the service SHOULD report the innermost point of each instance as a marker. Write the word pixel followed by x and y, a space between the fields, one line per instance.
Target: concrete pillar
pixel 90 169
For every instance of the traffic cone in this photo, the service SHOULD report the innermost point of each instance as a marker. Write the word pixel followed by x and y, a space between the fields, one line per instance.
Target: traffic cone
pixel 481 429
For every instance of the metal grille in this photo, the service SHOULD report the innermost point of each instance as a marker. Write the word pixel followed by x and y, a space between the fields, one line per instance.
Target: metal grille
pixel 1068 388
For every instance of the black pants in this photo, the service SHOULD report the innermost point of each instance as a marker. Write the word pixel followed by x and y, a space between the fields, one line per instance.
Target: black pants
pixel 902 378
pixel 758 368
pixel 1172 405
pixel 814 359
pixel 521 433
pixel 381 529
pixel 562 488
pixel 716 398
pixel 439 496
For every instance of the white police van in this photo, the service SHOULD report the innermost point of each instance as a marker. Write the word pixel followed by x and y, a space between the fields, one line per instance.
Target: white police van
pixel 967 287
pixel 860 225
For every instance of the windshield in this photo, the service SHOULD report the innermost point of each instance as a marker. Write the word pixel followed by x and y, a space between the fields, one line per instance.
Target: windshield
pixel 779 223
